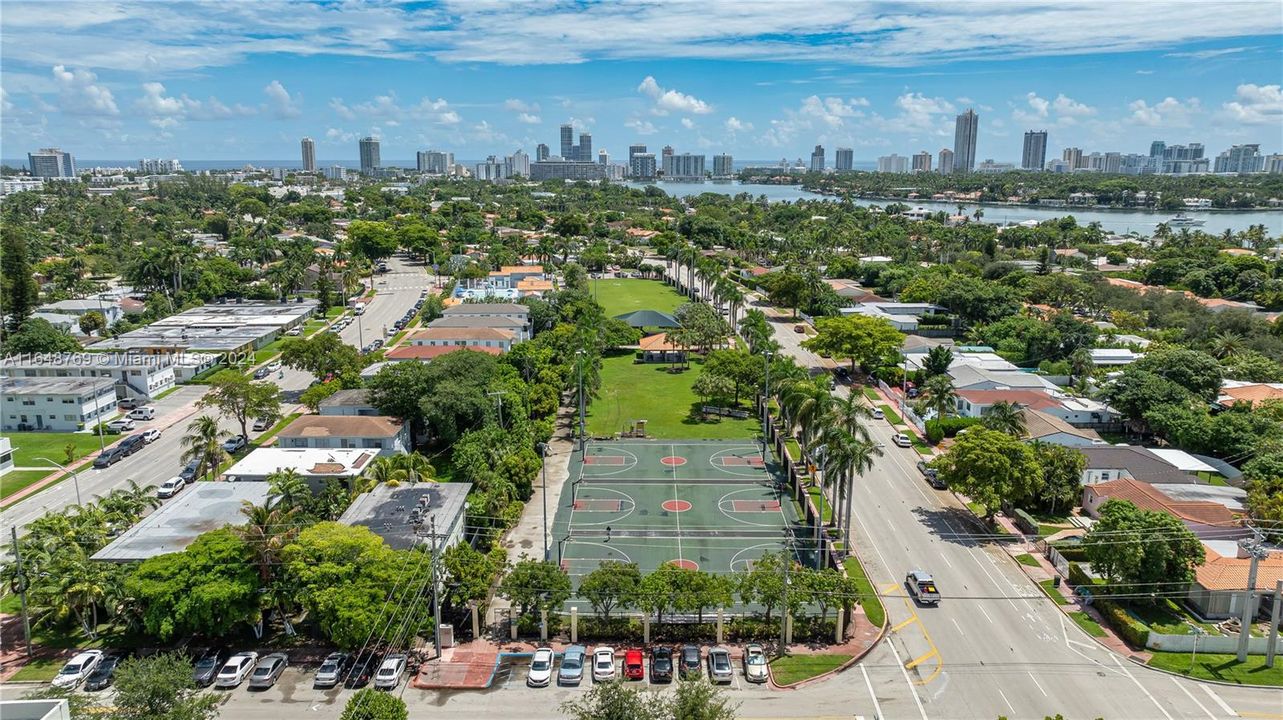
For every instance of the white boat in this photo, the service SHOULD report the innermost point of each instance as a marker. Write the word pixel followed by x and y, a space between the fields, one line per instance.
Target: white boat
pixel 1183 220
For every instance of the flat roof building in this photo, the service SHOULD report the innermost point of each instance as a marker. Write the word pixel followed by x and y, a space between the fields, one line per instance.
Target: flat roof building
pixel 194 511
pixel 136 375
pixel 316 465
pixel 404 515
pixel 54 404
pixel 221 327
pixel 384 435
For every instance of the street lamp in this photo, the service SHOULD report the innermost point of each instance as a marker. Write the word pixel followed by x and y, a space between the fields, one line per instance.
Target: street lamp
pixel 75 479
pixel 543 455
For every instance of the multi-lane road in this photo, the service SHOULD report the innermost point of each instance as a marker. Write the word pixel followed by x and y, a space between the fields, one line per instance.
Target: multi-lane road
pixel 395 292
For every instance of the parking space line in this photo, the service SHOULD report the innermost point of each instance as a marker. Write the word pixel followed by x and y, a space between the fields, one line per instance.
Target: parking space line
pixel 916 700
pixel 912 619
pixel 955 624
pixel 1217 699
pixel 1192 698
pixel 877 708
pixel 919 660
pixel 1037 684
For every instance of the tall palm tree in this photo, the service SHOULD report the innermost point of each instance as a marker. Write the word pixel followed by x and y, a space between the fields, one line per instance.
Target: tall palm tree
pixel 204 444
pixel 809 403
pixel 268 528
pixel 938 394
pixel 1006 417
pixel 846 456
pixel 288 488
pixel 1081 365
pixel 849 413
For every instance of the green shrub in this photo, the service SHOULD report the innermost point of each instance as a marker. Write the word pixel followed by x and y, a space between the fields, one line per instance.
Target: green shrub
pixel 1128 628
pixel 1078 576
pixel 1026 522
pixel 941 428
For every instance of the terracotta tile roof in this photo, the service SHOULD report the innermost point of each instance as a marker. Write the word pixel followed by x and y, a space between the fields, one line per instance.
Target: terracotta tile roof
pixel 1148 497
pixel 460 333
pixel 431 352
pixel 533 285
pixel 1026 398
pixel 1253 394
pixel 1225 573
pixel 657 343
pixel 371 426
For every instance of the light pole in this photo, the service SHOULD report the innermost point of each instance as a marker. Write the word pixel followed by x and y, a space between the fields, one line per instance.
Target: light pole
pixel 543 455
pixel 75 479
pixel 1256 550
pixel 766 405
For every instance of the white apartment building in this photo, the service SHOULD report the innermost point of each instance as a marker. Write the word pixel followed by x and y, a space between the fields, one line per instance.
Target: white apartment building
pixel 54 404
pixel 134 375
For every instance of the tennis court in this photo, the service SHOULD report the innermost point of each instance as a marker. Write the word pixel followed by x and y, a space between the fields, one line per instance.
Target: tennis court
pixel 714 506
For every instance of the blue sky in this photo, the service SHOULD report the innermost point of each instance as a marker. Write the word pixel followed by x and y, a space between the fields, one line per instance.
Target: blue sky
pixel 759 79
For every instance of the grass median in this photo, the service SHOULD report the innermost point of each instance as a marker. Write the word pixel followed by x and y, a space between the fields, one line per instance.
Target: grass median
pixel 869 599
pixel 796 668
pixel 16 480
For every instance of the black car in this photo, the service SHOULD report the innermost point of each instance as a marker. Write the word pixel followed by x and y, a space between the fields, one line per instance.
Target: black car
pixel 661 664
pixel 188 472
pixel 690 664
pixel 932 476
pixel 102 675
pixel 132 444
pixel 207 666
pixel 362 671
pixel 110 457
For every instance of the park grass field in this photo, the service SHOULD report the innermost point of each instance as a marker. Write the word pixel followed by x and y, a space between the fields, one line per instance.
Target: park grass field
pixel 648 391
pixel 27 446
pixel 15 480
pixel 624 296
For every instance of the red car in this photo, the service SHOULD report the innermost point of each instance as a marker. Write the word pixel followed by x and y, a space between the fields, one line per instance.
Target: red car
pixel 633 669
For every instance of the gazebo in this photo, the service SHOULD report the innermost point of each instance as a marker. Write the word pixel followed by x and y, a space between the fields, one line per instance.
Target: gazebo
pixel 649 319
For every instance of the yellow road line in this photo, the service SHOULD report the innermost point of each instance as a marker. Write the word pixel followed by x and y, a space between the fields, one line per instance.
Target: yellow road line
pixel 904 624
pixel 919 660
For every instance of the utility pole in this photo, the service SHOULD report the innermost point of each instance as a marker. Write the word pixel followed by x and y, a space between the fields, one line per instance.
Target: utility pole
pixel 1273 634
pixel 22 589
pixel 436 589
pixel 1257 552
pixel 498 397
pixel 543 455
pixel 766 407
pixel 583 440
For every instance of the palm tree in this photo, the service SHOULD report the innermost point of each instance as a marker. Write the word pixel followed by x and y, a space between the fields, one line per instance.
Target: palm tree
pixel 203 443
pixel 416 468
pixel 939 395
pixel 1006 417
pixel 1080 364
pixel 846 456
pixel 1226 344
pixel 808 403
pixel 383 470
pixel 268 529
pixel 849 413
pixel 288 488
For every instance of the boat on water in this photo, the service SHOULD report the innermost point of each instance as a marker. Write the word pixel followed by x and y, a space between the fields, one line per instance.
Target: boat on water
pixel 1183 220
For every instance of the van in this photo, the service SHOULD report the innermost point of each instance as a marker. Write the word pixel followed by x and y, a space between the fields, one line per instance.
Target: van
pixel 360 310
pixel 142 413
pixel 922 587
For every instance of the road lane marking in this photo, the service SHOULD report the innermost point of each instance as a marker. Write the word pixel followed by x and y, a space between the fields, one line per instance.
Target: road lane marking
pixel 1126 672
pixel 877 707
pixel 955 624
pixel 916 700
pixel 981 608
pixel 912 619
pixel 1217 699
pixel 1038 684
pixel 1010 707
pixel 1192 698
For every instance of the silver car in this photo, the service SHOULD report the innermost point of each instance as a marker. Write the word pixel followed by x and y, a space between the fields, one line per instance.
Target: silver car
pixel 719 665
pixel 268 670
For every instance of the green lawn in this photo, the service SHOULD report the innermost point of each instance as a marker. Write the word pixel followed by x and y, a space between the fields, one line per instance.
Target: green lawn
pixel 1167 617
pixel 1027 559
pixel 1086 623
pixel 871 394
pixel 820 502
pixel 10 604
pixel 1224 668
pixel 868 597
pixel 1052 591
pixel 648 391
pixel 794 448
pixel 269 350
pixel 15 480
pixel 39 670
pixel 892 416
pixel 625 296
pixel 27 446
pixel 795 668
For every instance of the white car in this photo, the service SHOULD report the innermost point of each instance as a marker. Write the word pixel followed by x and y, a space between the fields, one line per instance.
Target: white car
pixel 170 487
pixel 120 425
pixel 540 668
pixel 294 332
pixel 77 669
pixel 902 440
pixel 236 669
pixel 142 413
pixel 390 672
pixel 151 435
pixel 274 366
pixel 603 664
pixel 877 414
pixel 754 664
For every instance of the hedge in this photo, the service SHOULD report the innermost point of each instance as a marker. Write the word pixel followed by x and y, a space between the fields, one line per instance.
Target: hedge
pixel 1079 577
pixel 1127 627
pixel 941 428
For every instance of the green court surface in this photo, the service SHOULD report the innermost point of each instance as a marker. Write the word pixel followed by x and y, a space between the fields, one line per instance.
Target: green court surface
pixel 715 506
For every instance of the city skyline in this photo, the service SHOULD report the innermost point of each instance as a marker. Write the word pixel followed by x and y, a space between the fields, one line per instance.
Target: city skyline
pixel 201 95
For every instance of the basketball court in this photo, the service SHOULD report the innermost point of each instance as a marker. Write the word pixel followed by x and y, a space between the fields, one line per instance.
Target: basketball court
pixel 714 506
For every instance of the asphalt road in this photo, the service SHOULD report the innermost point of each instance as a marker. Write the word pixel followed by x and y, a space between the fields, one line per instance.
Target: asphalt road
pixel 396 292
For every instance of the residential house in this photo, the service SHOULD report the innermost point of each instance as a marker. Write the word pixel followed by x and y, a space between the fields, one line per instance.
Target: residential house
pixel 54 404
pixel 1044 427
pixel 317 466
pixel 139 376
pixel 1221 581
pixel 427 353
pixel 852 291
pixel 967 377
pixel 406 515
pixel 464 337
pixel 1106 463
pixel 903 316
pixel 1113 357
pixel 518 328
pixel 1205 518
pixel 1234 392
pixel 348 402
pixel 383 434
pixel 108 308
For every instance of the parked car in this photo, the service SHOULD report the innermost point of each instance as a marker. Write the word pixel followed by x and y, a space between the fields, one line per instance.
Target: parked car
pixel 754 663
pixel 234 443
pixel 390 672
pixel 913 393
pixel 878 414
pixel 572 666
pixel 188 472
pixel 540 668
pixel 633 667
pixel 922 587
pixel 170 487
pixel 77 669
pixel 799 329
pixel 128 404
pixel 236 669
pixel 690 665
pixel 120 425
pixel 207 665
pixel 661 664
pixel 261 373
pixel 132 444
pixel 332 669
pixel 362 671
pixel 102 676
pixel 268 670
pixel 603 663
pixel 109 458
pixel 142 413
pixel 294 332
pixel 260 424
pixel 902 440
pixel 931 474
pixel 719 665
pixel 274 365
pixel 151 435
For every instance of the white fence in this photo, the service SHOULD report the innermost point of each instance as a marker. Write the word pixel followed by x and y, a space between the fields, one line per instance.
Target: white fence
pixel 1209 644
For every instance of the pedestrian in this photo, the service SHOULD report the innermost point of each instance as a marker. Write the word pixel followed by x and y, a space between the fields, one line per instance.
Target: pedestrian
pixel 607 533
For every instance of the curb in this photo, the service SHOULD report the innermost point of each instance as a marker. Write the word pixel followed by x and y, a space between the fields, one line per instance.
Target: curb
pixel 886 627
pixel 1191 678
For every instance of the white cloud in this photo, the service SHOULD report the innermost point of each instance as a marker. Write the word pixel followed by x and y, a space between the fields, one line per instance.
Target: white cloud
pixel 1063 110
pixel 1169 112
pixel 734 124
pixel 341 109
pixel 641 127
pixel 528 118
pixel 1206 54
pixel 814 115
pixel 1073 108
pixel 1144 72
pixel 1255 105
pixel 280 101
pixel 341 137
pixel 164 111
pixel 667 101
pixel 919 113
pixel 520 106
pixel 386 108
pixel 688 123
pixel 79 93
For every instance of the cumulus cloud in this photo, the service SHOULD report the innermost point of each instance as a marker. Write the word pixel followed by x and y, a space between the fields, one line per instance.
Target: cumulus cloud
pixel 641 127
pixel 520 105
pixel 280 102
pixel 1169 112
pixel 734 124
pixel 920 113
pixel 1255 105
pixel 387 109
pixel 528 118
pixel 667 101
pixel 80 94
pixel 688 123
pixel 1063 110
pixel 814 115
pixel 166 111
